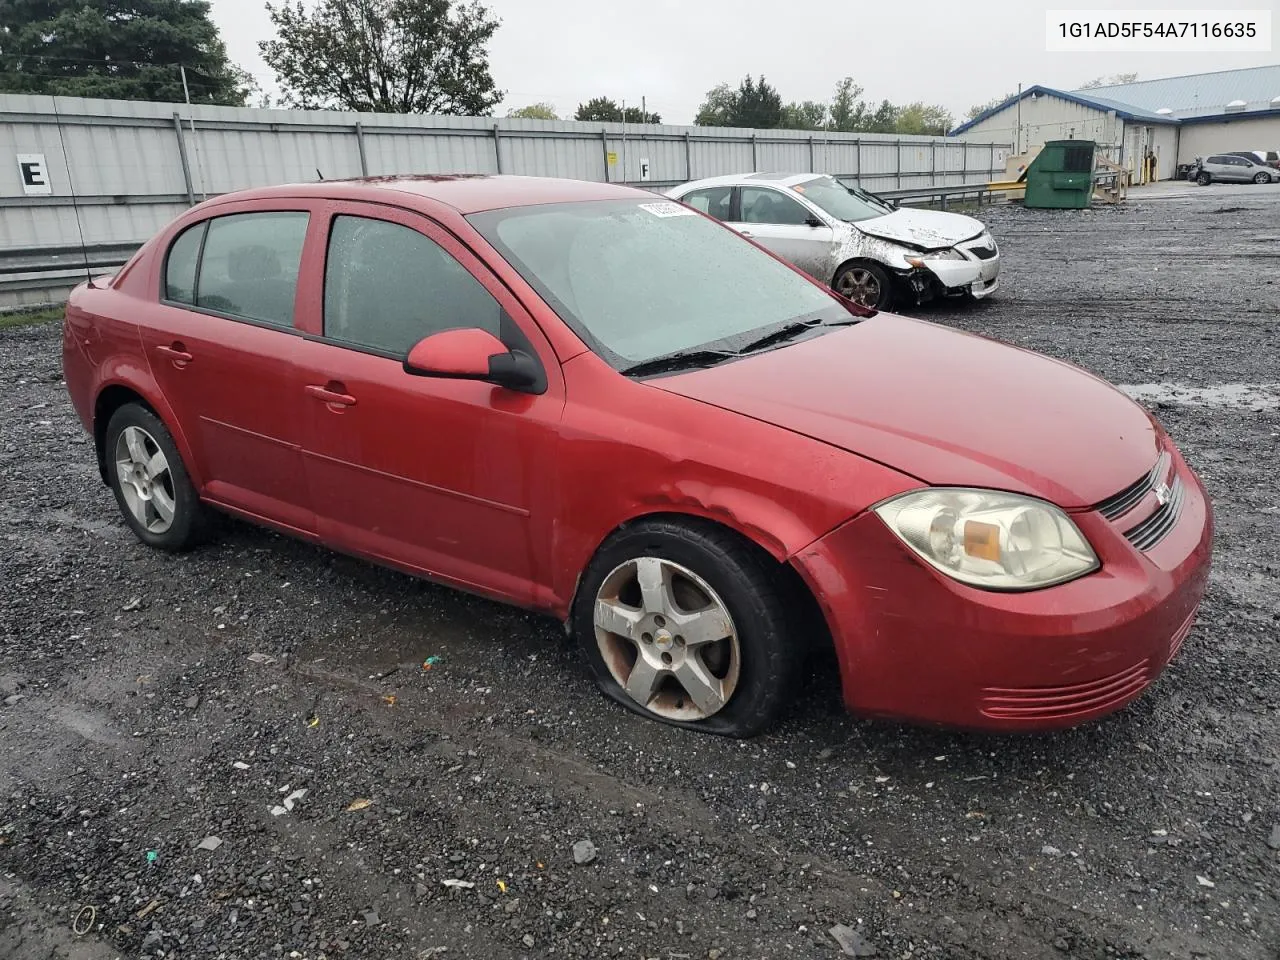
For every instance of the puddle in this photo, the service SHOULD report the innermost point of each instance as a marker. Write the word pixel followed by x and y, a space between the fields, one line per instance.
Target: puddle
pixel 1244 396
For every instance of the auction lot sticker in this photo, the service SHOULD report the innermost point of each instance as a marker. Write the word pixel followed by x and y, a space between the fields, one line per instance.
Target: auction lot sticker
pixel 1163 31
pixel 667 209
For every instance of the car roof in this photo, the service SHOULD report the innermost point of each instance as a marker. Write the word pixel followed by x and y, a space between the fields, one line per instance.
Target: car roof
pixel 465 192
pixel 746 179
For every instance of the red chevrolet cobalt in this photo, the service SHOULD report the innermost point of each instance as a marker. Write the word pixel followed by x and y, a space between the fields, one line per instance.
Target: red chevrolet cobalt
pixel 594 402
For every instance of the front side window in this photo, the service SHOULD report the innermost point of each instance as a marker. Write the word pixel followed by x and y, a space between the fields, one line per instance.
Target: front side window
pixel 843 203
pixel 386 286
pixel 714 201
pixel 639 280
pixel 249 267
pixel 761 205
pixel 180 265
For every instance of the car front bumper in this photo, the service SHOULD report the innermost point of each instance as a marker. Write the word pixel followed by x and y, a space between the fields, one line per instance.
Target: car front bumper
pixel 916 645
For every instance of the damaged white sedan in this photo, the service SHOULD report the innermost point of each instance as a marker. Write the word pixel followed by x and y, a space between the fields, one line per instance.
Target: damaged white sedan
pixel 873 253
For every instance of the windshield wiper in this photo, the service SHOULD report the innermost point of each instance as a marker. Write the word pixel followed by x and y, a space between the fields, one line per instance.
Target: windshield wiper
pixel 791 330
pixel 684 360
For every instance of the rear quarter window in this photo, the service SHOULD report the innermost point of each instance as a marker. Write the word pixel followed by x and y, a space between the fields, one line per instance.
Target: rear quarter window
pixel 180 265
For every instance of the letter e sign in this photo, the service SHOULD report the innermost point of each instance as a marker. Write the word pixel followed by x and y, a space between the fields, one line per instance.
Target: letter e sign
pixel 34 174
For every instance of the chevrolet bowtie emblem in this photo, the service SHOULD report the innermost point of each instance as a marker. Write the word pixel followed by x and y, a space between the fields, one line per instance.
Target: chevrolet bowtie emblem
pixel 1164 493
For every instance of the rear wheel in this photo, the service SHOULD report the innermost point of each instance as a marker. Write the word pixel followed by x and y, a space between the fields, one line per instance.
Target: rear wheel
pixel 1203 179
pixel 866 284
pixel 1262 178
pixel 150 482
pixel 687 624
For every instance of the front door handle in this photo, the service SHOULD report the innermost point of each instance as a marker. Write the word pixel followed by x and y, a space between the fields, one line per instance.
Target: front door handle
pixel 176 352
pixel 746 233
pixel 333 393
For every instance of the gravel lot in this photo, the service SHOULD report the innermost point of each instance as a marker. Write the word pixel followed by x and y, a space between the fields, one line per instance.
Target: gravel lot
pixel 442 807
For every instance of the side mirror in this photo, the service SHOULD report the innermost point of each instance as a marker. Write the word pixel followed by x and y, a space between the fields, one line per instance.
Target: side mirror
pixel 469 353
pixel 814 222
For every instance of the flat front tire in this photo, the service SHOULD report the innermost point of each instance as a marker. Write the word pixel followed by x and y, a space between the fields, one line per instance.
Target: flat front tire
pixel 687 624
pixel 150 481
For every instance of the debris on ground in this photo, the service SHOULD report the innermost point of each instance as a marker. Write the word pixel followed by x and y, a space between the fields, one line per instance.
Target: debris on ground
pixel 851 941
pixel 358 804
pixel 209 843
pixel 286 806
pixel 263 658
pixel 584 851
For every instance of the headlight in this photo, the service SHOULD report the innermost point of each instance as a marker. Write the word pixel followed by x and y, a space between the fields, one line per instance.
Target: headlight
pixel 919 260
pixel 990 539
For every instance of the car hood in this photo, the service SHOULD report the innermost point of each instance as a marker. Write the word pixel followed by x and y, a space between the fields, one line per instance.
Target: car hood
pixel 946 407
pixel 927 229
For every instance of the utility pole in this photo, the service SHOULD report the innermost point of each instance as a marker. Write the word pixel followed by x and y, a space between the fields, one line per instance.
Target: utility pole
pixel 1017 136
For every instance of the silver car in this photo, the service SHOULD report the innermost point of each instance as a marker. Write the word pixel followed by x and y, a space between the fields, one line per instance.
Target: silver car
pixel 867 250
pixel 1233 168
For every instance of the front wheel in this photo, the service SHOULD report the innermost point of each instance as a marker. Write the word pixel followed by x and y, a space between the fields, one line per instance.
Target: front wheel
pixel 150 481
pixel 866 284
pixel 1262 178
pixel 1203 178
pixel 686 624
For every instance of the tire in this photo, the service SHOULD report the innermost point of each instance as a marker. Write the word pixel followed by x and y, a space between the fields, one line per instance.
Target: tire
pixel 150 481
pixel 701 574
pixel 1262 178
pixel 1203 178
pixel 865 283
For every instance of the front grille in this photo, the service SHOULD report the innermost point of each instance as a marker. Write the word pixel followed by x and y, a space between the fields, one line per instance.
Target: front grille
pixel 1132 495
pixel 1157 526
pixel 1061 703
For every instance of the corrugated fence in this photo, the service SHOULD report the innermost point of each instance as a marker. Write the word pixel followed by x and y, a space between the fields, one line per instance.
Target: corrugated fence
pixel 92 179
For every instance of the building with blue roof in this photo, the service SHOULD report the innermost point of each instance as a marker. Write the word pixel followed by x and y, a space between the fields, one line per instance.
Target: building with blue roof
pixel 1174 119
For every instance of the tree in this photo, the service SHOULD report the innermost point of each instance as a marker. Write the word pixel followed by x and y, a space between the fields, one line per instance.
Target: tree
pixel 884 119
pixel 122 49
pixel 979 108
pixel 759 105
pixel 1111 81
pixel 386 56
pixel 607 110
pixel 846 106
pixel 809 115
pixel 719 109
pixel 534 111
pixel 754 104
pixel 923 119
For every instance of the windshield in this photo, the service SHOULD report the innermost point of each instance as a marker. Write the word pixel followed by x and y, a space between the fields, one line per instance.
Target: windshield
pixel 639 280
pixel 842 202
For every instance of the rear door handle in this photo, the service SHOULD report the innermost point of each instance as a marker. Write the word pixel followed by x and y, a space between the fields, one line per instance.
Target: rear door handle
pixel 175 352
pixel 331 393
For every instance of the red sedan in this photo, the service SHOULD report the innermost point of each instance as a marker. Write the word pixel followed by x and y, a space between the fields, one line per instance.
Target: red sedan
pixel 590 401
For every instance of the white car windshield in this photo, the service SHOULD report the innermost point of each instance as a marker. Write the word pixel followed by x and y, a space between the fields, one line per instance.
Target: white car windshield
pixel 639 280
pixel 842 202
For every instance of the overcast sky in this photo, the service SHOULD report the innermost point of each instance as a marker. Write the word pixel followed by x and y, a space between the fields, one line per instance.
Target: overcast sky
pixel 953 52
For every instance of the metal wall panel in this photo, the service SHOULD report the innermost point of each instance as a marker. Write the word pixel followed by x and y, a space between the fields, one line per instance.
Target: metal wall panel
pixel 117 169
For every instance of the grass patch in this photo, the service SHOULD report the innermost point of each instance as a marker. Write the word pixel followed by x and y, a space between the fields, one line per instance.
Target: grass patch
pixel 28 318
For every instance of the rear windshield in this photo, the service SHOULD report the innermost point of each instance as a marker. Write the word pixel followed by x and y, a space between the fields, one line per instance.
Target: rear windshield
pixel 643 279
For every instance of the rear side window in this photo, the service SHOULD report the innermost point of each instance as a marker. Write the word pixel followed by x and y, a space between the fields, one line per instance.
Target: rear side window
pixel 387 286
pixel 250 266
pixel 714 201
pixel 180 266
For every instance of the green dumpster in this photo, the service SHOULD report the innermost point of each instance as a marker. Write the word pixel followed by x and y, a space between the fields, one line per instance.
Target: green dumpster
pixel 1061 176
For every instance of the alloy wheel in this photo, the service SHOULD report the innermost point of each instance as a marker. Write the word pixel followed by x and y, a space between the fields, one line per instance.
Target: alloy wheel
pixel 667 639
pixel 861 286
pixel 145 479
